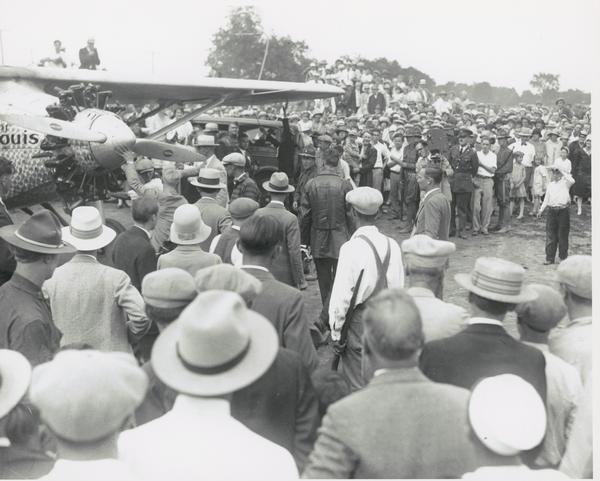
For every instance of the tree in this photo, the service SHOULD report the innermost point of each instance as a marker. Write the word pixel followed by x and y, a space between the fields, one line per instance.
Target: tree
pixel 239 48
pixel 545 84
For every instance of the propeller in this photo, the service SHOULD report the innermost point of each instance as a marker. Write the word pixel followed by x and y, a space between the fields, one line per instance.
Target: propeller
pixel 163 151
pixel 56 127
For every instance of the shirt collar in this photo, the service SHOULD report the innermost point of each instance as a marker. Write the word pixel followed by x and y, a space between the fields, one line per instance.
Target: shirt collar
pixel 429 192
pixel 580 321
pixel 250 266
pixel 235 227
pixel 542 346
pixel 420 292
pixel 146 231
pixel 240 178
pixel 277 202
pixel 484 320
pixel 201 406
pixel 24 284
pixel 365 229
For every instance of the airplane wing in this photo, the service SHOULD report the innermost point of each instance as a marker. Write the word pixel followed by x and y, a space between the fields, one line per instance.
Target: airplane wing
pixel 136 89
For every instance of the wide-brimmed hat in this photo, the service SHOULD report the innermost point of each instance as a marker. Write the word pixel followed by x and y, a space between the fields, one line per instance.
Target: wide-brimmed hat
pixel 216 346
pixel 211 127
pixel 207 179
pixel 86 231
pixel 188 227
pixel 15 374
pixel 278 183
pixel 497 279
pixel 525 132
pixel 40 233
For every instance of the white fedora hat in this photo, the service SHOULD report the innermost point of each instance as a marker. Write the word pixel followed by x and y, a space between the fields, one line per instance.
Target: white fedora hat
pixel 188 227
pixel 86 231
pixel 15 375
pixel 216 346
pixel 497 279
pixel 278 183
pixel 208 179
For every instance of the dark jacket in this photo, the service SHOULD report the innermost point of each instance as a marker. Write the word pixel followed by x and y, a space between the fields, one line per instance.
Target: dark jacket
pixel 286 152
pixel 133 253
pixel 245 187
pixel 88 60
pixel 479 351
pixel 465 166
pixel 287 267
pixel 367 161
pixel 376 100
pixel 433 216
pixel 284 307
pixel 504 162
pixel 281 405
pixel 325 223
pixel 226 243
pixel 7 260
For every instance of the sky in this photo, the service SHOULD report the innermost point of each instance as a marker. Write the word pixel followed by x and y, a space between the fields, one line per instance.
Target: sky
pixel 502 42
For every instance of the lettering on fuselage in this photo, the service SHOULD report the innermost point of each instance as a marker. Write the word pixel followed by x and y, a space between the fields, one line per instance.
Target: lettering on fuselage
pixel 15 137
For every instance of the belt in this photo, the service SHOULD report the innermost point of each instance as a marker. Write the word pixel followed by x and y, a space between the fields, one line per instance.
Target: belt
pixel 557 207
pixel 484 176
pixel 377 168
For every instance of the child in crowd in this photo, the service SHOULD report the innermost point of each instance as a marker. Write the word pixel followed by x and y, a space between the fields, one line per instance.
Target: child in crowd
pixel 517 185
pixel 540 181
pixel 557 201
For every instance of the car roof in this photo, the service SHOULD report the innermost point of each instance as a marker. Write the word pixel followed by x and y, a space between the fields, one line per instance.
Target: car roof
pixel 245 123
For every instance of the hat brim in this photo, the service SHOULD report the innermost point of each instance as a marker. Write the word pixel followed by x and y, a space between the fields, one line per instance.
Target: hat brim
pixel 261 353
pixel 8 234
pixel 15 372
pixel 194 182
pixel 202 234
pixel 288 190
pixel 526 295
pixel 107 236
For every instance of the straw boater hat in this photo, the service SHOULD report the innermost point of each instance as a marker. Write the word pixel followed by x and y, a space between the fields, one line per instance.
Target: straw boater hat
pixel 278 183
pixel 188 227
pixel 216 346
pixel 86 231
pixel 40 233
pixel 15 374
pixel 497 279
pixel 207 179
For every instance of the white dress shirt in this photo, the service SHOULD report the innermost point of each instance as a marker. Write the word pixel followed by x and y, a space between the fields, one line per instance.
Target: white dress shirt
pixel 557 193
pixel 489 160
pixel 396 157
pixel 355 255
pixel 198 439
pixel 383 154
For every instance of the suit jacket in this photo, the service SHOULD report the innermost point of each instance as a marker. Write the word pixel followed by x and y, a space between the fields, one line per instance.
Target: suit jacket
pixel 287 267
pixel 480 351
pixel 433 216
pixel 284 307
pixel 189 258
pixel 215 216
pixel 88 60
pixel 440 319
pixel 7 260
pixel 465 166
pixel 376 100
pixel 133 253
pixel 401 425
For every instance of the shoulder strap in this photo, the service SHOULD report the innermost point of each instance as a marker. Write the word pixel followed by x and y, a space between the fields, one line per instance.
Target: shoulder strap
pixel 382 267
pixel 377 259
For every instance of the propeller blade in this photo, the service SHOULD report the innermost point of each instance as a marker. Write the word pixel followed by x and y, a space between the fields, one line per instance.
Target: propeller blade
pixel 56 127
pixel 163 151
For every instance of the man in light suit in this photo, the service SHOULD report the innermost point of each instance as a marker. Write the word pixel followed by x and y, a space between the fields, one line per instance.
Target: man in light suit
pixel 425 259
pixel 401 425
pixel 205 145
pixel 287 268
pixel 433 216
pixel 281 304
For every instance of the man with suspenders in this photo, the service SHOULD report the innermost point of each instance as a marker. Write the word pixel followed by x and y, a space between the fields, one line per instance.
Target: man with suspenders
pixel 368 263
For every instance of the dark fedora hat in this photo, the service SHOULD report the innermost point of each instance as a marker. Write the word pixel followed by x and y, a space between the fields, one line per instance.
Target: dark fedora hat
pixel 40 233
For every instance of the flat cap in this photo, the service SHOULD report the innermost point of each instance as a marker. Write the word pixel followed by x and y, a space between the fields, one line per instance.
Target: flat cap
pixel 87 395
pixel 235 158
pixel 365 200
pixel 144 164
pixel 169 287
pixel 575 273
pixel 242 207
pixel 228 278
pixel 545 312
pixel 423 251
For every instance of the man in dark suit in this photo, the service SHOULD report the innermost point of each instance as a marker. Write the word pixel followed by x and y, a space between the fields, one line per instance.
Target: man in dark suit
pixel 88 56
pixel 132 251
pixel 433 216
pixel 7 259
pixel 287 268
pixel 401 425
pixel 375 100
pixel 281 304
pixel 484 348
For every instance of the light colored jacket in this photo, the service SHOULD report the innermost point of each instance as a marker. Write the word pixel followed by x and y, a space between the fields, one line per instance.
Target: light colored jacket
pixel 189 258
pixel 95 304
pixel 573 344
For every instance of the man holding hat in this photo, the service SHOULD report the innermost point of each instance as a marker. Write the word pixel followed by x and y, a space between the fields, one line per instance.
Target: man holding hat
pixel 373 258
pixel 573 343
pixel 287 268
pixel 217 346
pixel 242 184
pixel 426 259
pixel 85 398
pixel 93 303
pixel 535 321
pixel 27 324
pixel 188 232
pixel 225 244
pixel 484 348
pixel 213 214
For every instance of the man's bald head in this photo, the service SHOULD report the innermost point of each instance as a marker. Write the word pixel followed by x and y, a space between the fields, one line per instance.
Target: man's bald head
pixel 392 325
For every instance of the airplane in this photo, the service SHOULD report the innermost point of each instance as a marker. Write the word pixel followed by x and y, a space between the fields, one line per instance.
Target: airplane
pixel 62 134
